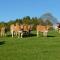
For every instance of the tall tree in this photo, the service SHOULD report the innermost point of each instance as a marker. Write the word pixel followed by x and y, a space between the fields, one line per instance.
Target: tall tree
pixel 19 21
pixel 26 20
pixel 35 21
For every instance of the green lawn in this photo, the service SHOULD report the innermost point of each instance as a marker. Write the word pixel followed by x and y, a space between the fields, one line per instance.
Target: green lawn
pixel 31 48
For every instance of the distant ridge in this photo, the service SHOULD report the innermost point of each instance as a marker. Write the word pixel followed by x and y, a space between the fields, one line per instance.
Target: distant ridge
pixel 50 17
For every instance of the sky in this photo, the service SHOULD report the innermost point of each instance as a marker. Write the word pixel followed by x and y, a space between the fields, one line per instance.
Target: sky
pixel 13 9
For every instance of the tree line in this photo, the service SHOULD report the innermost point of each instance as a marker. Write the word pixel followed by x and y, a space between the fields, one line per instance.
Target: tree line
pixel 27 20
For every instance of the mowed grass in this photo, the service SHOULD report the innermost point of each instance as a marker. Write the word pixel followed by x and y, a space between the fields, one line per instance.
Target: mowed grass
pixel 31 48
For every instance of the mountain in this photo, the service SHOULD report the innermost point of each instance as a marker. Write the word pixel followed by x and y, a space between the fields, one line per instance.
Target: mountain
pixel 50 17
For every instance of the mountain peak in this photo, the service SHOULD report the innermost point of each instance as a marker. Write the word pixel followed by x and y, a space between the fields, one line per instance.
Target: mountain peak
pixel 50 17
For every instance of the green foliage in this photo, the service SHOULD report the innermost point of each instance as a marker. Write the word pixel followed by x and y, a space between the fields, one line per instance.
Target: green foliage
pixel 19 21
pixel 26 20
pixel 34 20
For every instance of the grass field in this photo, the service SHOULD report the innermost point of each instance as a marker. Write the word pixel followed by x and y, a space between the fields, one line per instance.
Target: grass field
pixel 31 48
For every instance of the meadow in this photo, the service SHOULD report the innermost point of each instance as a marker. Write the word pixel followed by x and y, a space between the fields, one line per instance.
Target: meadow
pixel 31 48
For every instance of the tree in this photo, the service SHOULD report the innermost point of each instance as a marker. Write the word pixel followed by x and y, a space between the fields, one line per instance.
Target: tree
pixel 34 20
pixel 26 20
pixel 19 21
